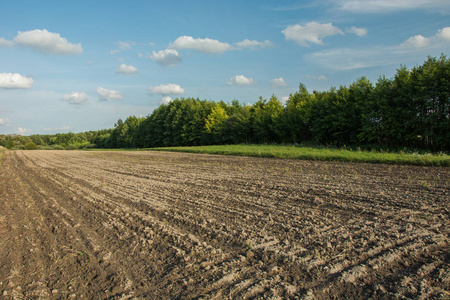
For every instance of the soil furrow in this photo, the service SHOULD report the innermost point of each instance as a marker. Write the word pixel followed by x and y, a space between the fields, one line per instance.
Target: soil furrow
pixel 123 225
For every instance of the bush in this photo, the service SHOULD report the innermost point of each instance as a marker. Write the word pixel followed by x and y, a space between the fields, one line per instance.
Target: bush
pixel 10 144
pixel 30 146
pixel 40 147
pixel 71 147
pixel 58 147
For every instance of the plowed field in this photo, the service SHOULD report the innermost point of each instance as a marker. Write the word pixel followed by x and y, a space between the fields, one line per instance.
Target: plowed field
pixel 155 225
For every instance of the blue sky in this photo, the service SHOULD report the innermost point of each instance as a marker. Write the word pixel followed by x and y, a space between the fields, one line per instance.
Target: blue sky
pixel 82 65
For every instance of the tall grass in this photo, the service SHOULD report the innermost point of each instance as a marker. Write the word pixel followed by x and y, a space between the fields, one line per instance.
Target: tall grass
pixel 2 151
pixel 319 153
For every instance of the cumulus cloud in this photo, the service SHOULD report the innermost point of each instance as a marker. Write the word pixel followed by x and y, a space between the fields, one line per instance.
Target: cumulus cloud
pixel 311 33
pixel 21 130
pixel 167 89
pixel 419 41
pixel 444 34
pixel 253 44
pixel 357 31
pixel 209 46
pixel 166 100
pixel 76 98
pixel 278 82
pixel 168 57
pixel 240 80
pixel 206 45
pixel 47 42
pixel 15 81
pixel 106 94
pixel 6 43
pixel 124 69
pixel 5 122
pixel 416 41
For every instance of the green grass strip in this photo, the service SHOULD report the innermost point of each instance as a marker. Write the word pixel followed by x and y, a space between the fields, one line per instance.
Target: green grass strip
pixel 318 153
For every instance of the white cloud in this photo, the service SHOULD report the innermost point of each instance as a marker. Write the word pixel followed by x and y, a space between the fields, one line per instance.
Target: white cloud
pixel 47 42
pixel 166 100
pixel 210 46
pixel 413 50
pixel 5 122
pixel 167 89
pixel 168 57
pixel 416 41
pixel 240 80
pixel 420 42
pixel 15 81
pixel 254 44
pixel 76 98
pixel 106 94
pixel 342 59
pixel 21 130
pixel 278 82
pixel 311 33
pixel 124 45
pixel 357 31
pixel 62 128
pixel 385 6
pixel 320 77
pixel 206 45
pixel 124 69
pixel 284 99
pixel 444 34
pixel 6 43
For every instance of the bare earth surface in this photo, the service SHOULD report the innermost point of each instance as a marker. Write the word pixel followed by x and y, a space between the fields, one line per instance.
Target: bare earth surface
pixel 153 225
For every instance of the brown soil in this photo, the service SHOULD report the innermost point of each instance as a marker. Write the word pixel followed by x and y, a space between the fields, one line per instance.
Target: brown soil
pixel 127 225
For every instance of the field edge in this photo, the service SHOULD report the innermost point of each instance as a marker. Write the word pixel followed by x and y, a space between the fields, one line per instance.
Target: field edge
pixel 316 154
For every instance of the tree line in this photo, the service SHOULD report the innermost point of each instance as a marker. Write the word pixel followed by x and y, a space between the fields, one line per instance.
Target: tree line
pixel 59 141
pixel 412 110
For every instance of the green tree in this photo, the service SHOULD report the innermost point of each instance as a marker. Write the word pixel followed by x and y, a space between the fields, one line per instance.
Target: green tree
pixel 295 121
pixel 338 114
pixel 37 139
pixel 124 134
pixel 265 119
pixel 30 146
pixel 374 114
pixel 10 144
pixel 237 128
pixel 215 123
pixel 432 101
pixel 194 125
pixel 3 141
